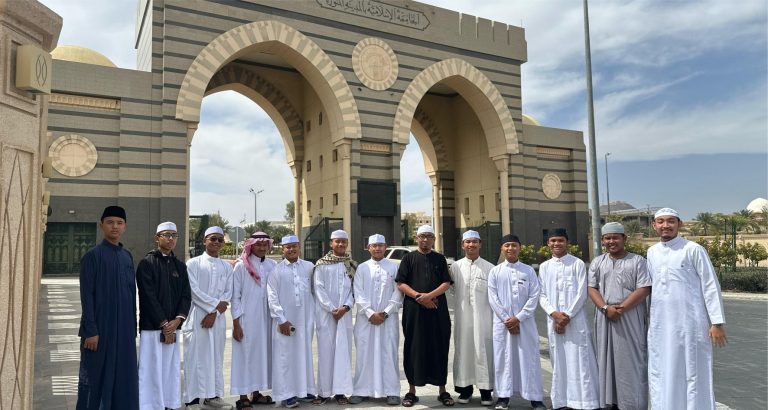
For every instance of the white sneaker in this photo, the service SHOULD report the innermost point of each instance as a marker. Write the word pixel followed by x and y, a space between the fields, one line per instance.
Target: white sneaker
pixel 193 407
pixel 216 403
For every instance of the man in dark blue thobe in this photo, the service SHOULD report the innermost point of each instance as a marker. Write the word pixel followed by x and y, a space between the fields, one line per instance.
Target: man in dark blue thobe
pixel 108 371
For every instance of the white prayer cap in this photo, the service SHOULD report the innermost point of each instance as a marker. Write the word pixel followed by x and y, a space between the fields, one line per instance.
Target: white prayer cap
pixel 666 212
pixel 166 226
pixel 212 230
pixel 289 239
pixel 425 229
pixel 339 234
pixel 612 227
pixel 470 234
pixel 376 238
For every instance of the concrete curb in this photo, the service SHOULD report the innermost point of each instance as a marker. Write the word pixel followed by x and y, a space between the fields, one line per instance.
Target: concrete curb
pixel 746 296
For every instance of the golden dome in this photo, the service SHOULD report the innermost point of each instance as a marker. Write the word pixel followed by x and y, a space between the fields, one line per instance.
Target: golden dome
pixel 527 119
pixel 81 55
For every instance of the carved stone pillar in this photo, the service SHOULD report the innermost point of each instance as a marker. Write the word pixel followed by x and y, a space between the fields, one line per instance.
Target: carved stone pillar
pixel 502 165
pixel 437 215
pixel 28 32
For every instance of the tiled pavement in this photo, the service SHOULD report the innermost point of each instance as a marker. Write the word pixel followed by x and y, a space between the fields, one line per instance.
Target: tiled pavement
pixel 57 356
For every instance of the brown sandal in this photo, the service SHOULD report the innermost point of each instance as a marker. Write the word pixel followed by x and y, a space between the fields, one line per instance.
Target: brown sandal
pixel 341 400
pixel 409 400
pixel 319 401
pixel 243 404
pixel 259 398
pixel 446 399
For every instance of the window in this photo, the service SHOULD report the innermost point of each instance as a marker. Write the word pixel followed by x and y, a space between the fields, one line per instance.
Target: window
pixel 335 155
pixel 335 199
pixel 321 202
pixel 466 206
pixel 309 165
pixel 398 254
pixel 321 161
pixel 498 201
pixel 309 126
pixel 309 205
pixel 320 118
pixel 482 204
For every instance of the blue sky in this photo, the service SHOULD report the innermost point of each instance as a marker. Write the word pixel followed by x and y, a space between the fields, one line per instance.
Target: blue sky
pixel 680 101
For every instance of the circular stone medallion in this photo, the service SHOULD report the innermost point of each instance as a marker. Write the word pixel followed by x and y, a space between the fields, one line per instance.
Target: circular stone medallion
pixel 551 186
pixel 375 63
pixel 73 155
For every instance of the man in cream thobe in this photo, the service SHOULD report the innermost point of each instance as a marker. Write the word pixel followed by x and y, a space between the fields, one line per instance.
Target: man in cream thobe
pixel 563 293
pixel 292 307
pixel 377 335
pixel 252 324
pixel 618 285
pixel 513 293
pixel 210 281
pixel 686 319
pixel 473 337
pixel 333 298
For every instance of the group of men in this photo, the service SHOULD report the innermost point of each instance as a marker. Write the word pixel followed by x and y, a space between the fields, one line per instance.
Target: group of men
pixel 279 307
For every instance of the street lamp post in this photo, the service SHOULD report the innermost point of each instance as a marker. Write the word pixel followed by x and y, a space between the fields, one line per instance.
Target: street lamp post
pixel 607 187
pixel 255 205
pixel 594 196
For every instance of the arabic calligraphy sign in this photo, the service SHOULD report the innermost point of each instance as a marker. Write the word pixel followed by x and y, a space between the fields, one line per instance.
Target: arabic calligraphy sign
pixel 378 10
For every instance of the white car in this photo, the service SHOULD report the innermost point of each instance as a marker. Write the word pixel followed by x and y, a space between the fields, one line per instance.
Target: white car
pixel 396 253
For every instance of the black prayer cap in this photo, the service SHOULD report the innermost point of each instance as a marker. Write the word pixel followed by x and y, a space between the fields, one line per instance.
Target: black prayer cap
pixel 113 210
pixel 510 238
pixel 557 232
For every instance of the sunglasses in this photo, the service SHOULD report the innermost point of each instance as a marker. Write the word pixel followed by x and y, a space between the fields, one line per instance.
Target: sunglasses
pixel 216 239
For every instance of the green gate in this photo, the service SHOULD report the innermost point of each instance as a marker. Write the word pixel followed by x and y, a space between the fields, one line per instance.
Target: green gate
pixel 65 244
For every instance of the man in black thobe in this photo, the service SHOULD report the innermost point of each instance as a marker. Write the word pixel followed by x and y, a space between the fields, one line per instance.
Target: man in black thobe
pixel 108 372
pixel 423 278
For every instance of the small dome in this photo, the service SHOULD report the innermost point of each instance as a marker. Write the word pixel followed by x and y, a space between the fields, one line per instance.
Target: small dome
pixel 81 55
pixel 757 205
pixel 527 119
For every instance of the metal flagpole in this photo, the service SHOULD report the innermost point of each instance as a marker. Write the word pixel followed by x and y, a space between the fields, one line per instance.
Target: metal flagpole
pixel 593 188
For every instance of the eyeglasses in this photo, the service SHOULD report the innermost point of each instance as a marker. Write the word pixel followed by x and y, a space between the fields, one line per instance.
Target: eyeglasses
pixel 425 237
pixel 169 235
pixel 216 239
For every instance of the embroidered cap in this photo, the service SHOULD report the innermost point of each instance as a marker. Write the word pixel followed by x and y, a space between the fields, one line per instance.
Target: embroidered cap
pixel 376 238
pixel 666 212
pixel 166 226
pixel 289 239
pixel 470 234
pixel 339 234
pixel 213 230
pixel 612 227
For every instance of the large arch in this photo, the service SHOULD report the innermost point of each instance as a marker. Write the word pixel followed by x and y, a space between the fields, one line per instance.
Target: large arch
pixel 297 49
pixel 277 106
pixel 476 88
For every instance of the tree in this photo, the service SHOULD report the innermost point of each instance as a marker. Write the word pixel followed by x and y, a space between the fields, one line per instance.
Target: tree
pixel 218 220
pixel 290 212
pixel 720 252
pixel 706 222
pixel 613 218
pixel 752 253
pixel 633 227
pixel 263 226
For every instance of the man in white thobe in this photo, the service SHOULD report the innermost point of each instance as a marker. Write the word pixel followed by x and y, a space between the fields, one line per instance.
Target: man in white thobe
pixel 164 299
pixel 377 335
pixel 473 337
pixel 686 319
pixel 210 280
pixel 332 281
pixel 563 293
pixel 513 293
pixel 291 305
pixel 619 285
pixel 252 324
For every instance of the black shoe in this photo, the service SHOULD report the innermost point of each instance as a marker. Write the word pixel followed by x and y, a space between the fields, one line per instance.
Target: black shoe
pixel 502 404
pixel 537 405
pixel 464 398
pixel 486 398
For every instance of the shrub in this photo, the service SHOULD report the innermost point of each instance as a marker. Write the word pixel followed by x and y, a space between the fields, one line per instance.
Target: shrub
pixel 637 248
pixel 745 279
pixel 528 255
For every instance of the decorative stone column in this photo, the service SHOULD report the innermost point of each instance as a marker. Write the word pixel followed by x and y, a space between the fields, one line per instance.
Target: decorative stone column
pixel 345 152
pixel 502 165
pixel 437 215
pixel 297 199
pixel 28 32
pixel 191 129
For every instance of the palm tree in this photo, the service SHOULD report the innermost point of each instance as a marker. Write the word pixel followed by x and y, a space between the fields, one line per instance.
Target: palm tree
pixel 706 221
pixel 218 220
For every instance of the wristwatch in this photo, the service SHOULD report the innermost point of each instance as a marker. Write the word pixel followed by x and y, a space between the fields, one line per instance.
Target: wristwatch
pixel 346 307
pixel 386 315
pixel 604 309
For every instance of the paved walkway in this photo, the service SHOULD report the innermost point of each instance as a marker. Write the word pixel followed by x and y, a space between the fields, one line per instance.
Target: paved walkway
pixel 57 356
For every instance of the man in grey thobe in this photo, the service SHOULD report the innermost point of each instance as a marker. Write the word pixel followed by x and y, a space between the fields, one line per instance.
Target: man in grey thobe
pixel 618 285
